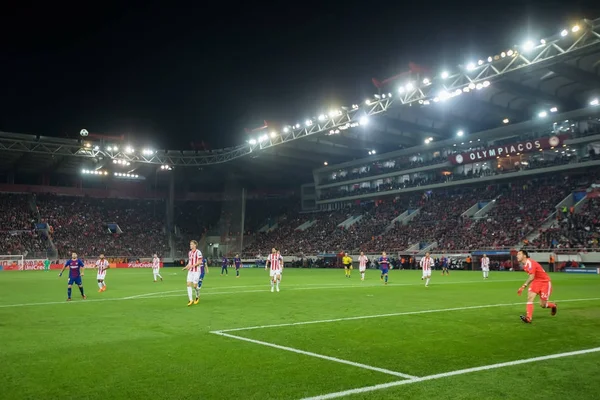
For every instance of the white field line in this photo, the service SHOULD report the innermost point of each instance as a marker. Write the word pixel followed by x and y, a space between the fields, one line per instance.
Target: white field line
pixel 324 321
pixel 308 353
pixel 366 389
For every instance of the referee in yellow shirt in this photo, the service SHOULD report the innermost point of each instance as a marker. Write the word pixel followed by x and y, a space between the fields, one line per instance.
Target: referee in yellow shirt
pixel 347 261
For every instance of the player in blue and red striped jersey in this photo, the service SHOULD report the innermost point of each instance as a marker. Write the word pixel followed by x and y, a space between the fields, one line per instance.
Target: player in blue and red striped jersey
pixel 237 261
pixel 224 265
pixel 384 265
pixel 203 271
pixel 75 266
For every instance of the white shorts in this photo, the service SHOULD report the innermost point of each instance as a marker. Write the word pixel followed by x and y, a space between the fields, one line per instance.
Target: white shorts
pixel 274 272
pixel 427 273
pixel 155 270
pixel 101 275
pixel 362 269
pixel 193 276
pixel 484 269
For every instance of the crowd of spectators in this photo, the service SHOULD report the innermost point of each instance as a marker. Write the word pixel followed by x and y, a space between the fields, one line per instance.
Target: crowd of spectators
pixel 84 225
pixel 573 230
pixel 17 226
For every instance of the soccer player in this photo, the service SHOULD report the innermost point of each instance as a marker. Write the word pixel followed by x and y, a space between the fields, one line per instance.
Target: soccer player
pixel 485 266
pixel 193 268
pixel 281 265
pixel 156 267
pixel 540 285
pixel 102 265
pixel 362 265
pixel 75 266
pixel 224 264
pixel 445 265
pixel 203 271
pixel 347 261
pixel 46 265
pixel 238 264
pixel 274 261
pixel 426 264
pixel 384 265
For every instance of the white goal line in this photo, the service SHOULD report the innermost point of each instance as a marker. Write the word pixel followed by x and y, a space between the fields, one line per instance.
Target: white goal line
pixel 324 321
pixel 373 388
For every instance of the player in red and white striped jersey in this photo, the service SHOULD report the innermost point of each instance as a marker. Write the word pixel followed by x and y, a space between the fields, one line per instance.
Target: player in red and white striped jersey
pixel 156 267
pixel 274 262
pixel 485 266
pixel 426 265
pixel 102 265
pixel 193 268
pixel 362 265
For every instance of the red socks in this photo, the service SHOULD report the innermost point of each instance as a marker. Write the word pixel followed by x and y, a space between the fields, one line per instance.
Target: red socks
pixel 530 311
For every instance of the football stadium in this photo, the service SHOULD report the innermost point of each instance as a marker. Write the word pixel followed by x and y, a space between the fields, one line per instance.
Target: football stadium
pixel 439 239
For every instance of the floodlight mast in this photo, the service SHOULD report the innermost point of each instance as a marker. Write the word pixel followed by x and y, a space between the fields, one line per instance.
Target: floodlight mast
pixel 559 49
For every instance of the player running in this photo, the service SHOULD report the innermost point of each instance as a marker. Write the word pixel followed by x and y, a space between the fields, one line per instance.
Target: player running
pixel 224 264
pixel 274 261
pixel 203 271
pixel 237 261
pixel 75 266
pixel 193 268
pixel 102 265
pixel 362 265
pixel 540 285
pixel 156 267
pixel 485 266
pixel 426 264
pixel 384 265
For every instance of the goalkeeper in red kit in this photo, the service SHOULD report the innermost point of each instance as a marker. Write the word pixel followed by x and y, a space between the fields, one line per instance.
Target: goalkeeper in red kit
pixel 539 284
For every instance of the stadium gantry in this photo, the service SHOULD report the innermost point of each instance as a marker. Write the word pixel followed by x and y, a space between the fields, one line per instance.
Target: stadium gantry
pixel 505 87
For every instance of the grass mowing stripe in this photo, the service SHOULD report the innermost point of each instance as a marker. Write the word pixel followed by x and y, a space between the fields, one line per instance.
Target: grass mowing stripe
pixel 324 321
pixel 311 354
pixel 366 389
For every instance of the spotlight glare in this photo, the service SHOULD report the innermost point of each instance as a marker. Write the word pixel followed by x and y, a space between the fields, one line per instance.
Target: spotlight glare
pixel 286 129
pixel 273 135
pixel 542 114
pixel 528 45
pixel 445 74
pixel 252 142
pixel 506 120
pixel 325 163
pixel 460 133
pixel 553 109
pixel 363 120
pixel 470 66
pixel 308 122
pixel 564 33
pixel 575 28
pixel 594 102
pixel 426 81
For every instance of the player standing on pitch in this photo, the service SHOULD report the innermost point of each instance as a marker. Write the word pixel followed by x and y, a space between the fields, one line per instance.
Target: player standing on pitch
pixel 540 285
pixel 203 271
pixel 384 265
pixel 193 268
pixel 362 265
pixel 485 266
pixel 75 266
pixel 102 265
pixel 156 267
pixel 224 265
pixel 237 261
pixel 426 264
pixel 274 261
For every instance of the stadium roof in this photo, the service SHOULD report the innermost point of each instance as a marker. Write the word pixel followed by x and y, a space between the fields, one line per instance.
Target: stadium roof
pixel 561 73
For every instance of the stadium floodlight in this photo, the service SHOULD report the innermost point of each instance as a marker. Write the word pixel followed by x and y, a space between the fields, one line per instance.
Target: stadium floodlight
pixel 87 145
pixel 308 122
pixel 554 109
pixel 109 148
pixel 427 141
pixel 335 113
pixel 503 54
pixel 96 148
pixel 116 148
pixel 490 59
pixel 486 84
pixel 479 86
pixel 129 150
pixel 505 121
pixel 470 66
pixel 273 135
pixel 575 28
pixel 466 89
pixel 480 62
pixel 594 102
pixel 564 33
pixel 297 126
pixel 409 86
pixel 542 41
pixel 148 152
pixel 472 86
pixel 368 102
pixel 528 45
pixel 426 81
pixel 322 117
pixel 542 114
pixel 510 53
pixel 373 152
pixel 286 129
pixel 445 74
pixel 325 163
pixel 460 133
pixel 262 138
pixel 363 120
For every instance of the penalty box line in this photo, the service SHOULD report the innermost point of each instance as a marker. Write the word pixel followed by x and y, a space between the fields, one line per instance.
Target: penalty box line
pixel 324 321
pixel 373 388
pixel 324 357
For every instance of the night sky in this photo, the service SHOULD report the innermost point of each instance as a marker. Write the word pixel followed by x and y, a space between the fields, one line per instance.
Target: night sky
pixel 166 74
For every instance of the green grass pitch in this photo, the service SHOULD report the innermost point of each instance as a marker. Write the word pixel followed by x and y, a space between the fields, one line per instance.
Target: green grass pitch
pixel 139 340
